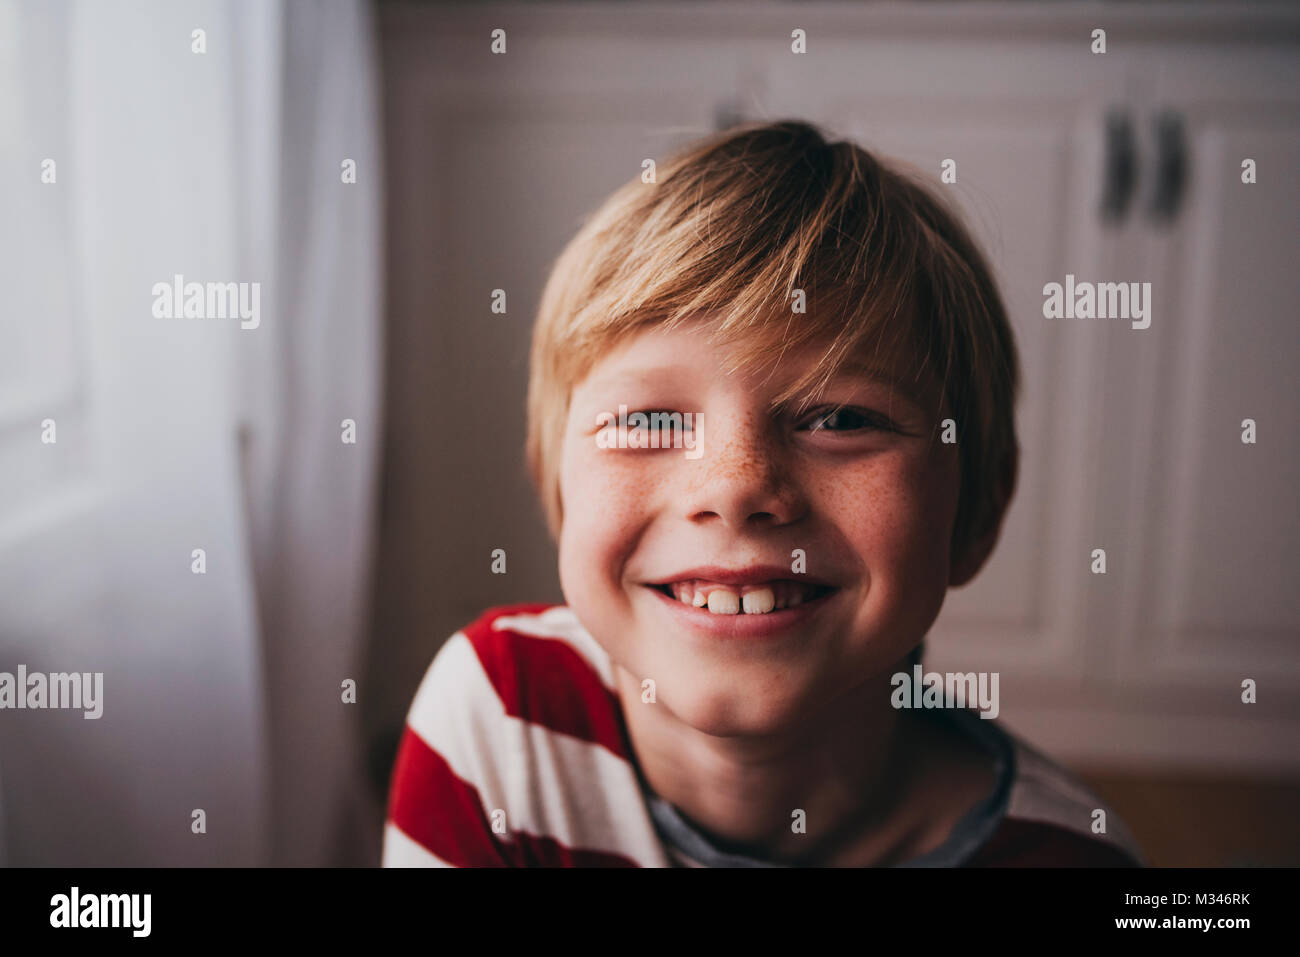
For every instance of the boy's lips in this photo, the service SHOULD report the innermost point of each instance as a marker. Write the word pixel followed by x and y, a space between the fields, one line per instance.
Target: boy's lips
pixel 743 624
pixel 754 601
pixel 740 577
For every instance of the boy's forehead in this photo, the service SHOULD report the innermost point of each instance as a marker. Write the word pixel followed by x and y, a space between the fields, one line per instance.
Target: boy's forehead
pixel 660 352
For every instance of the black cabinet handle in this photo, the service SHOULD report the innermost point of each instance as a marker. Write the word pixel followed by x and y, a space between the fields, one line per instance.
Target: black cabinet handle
pixel 1121 167
pixel 1171 167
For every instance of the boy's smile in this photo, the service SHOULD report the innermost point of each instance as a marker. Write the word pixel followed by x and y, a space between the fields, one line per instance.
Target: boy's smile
pixel 760 601
pixel 800 557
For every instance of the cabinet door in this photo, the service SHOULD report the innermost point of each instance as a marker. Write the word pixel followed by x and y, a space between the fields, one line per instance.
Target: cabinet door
pixel 1025 124
pixel 1211 539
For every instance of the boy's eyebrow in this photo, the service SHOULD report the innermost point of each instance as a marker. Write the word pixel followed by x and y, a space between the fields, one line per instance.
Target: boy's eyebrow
pixel 909 390
pixel 639 375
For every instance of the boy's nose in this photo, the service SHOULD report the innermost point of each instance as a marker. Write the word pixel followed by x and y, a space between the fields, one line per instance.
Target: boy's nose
pixel 742 479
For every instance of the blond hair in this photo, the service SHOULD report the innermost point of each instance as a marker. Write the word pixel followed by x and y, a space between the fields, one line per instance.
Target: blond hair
pixel 734 226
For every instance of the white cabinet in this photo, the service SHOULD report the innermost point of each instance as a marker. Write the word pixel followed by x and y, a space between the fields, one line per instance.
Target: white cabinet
pixel 1206 528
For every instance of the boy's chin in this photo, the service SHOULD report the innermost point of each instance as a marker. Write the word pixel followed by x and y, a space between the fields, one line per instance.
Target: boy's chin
pixel 733 712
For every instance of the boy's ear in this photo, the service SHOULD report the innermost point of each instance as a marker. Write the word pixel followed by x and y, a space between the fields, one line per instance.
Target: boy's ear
pixel 967 565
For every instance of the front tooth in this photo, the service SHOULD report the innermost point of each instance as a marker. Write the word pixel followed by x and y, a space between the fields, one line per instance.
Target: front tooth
pixel 700 599
pixel 724 602
pixel 759 601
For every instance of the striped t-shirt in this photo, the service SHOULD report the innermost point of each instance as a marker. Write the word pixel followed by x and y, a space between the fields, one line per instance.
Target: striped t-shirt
pixel 515 754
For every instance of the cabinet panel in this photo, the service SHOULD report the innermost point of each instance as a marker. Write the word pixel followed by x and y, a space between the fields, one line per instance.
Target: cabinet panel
pixel 1211 569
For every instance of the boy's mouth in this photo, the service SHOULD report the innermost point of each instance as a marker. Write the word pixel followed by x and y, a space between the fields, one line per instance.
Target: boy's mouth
pixel 754 599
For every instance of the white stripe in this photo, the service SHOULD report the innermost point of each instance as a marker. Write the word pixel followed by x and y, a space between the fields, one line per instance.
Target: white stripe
pixel 560 622
pixel 549 784
pixel 402 851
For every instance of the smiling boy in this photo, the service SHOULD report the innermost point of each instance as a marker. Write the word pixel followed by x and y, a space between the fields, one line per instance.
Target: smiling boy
pixel 716 689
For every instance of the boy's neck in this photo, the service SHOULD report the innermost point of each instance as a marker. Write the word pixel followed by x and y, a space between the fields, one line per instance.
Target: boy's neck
pixel 847 769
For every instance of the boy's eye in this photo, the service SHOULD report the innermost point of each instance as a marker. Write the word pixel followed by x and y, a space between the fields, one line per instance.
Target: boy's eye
pixel 847 420
pixel 665 422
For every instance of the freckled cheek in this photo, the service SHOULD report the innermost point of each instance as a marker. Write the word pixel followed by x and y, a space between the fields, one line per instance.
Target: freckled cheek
pixel 602 512
pixel 895 513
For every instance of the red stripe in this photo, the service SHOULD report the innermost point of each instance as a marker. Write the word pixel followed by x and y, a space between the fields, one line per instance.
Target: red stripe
pixel 438 810
pixel 1019 843
pixel 546 682
pixel 445 815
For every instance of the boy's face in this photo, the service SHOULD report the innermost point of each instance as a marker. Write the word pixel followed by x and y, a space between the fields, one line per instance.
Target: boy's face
pixel 869 499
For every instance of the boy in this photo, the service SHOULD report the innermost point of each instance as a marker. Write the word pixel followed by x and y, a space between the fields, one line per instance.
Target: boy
pixel 751 554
